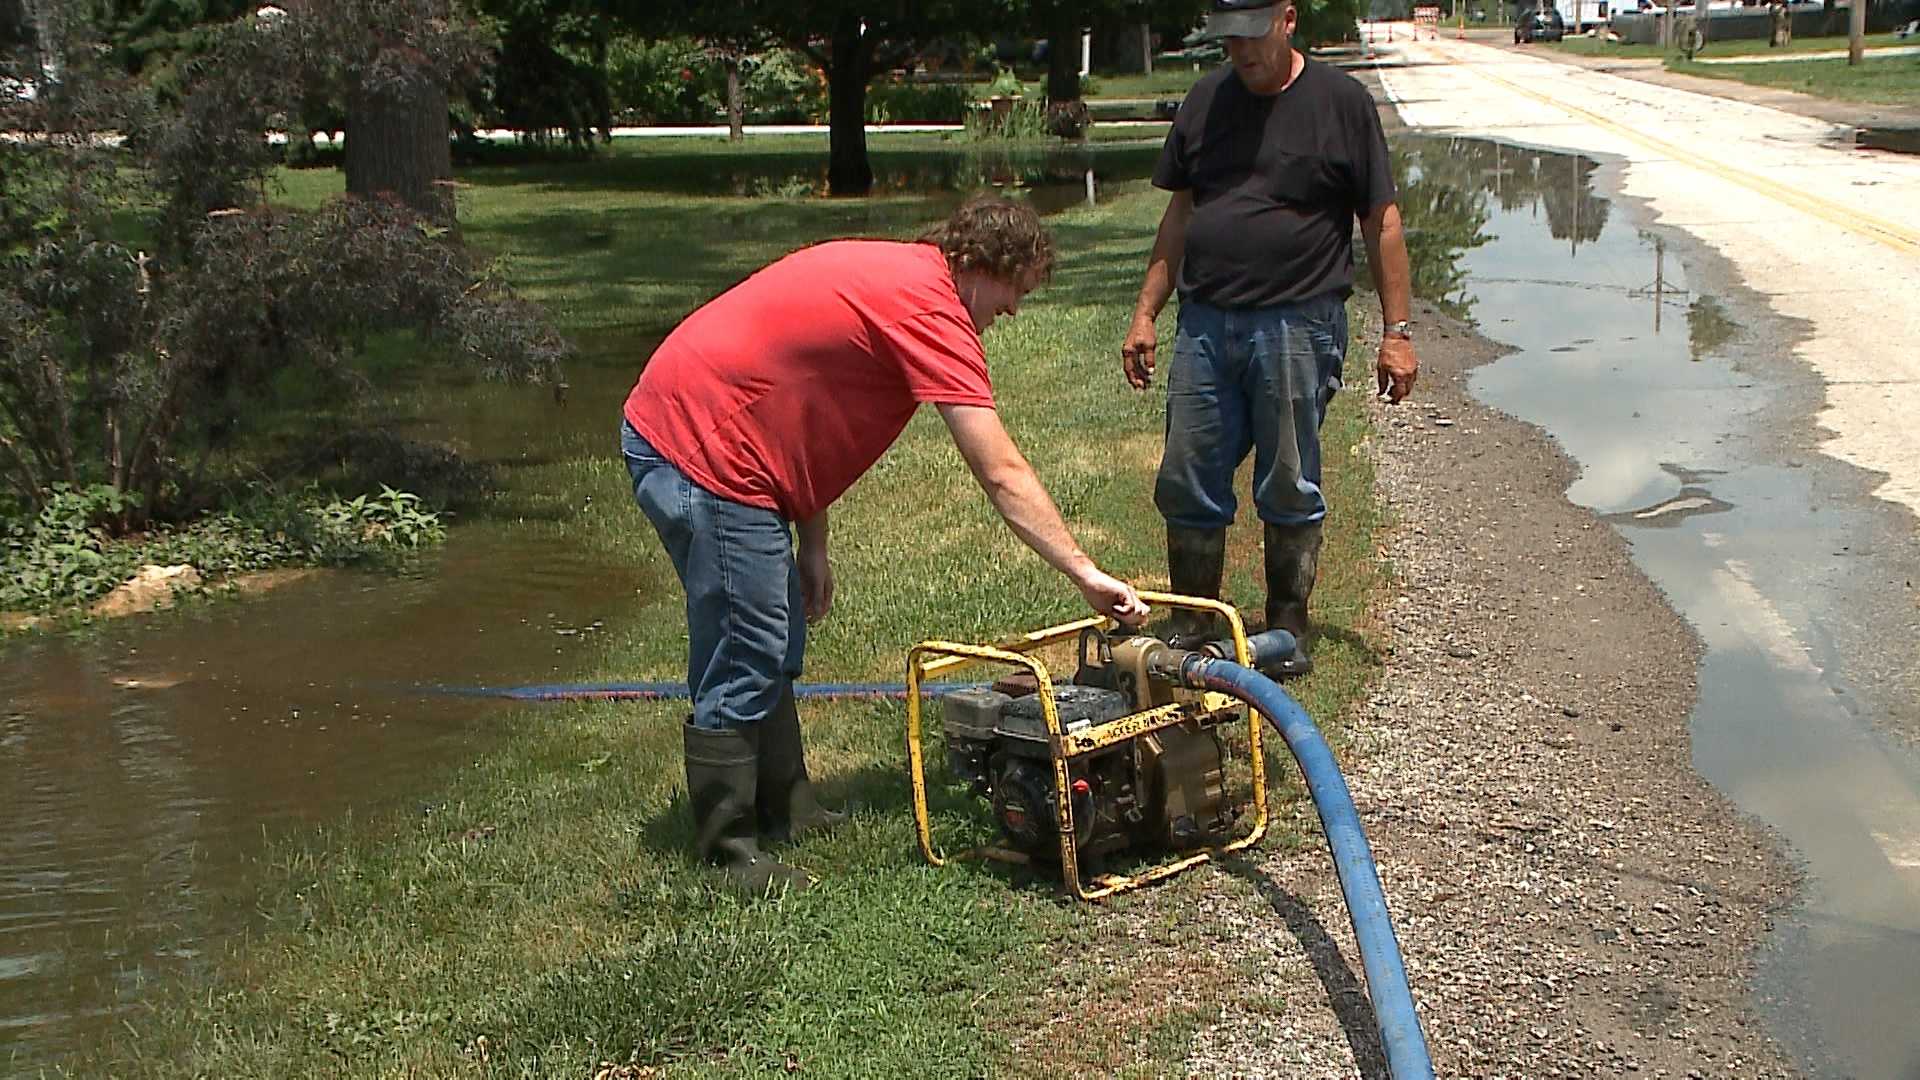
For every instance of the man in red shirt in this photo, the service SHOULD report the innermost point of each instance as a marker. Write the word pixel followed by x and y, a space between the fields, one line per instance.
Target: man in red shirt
pixel 758 411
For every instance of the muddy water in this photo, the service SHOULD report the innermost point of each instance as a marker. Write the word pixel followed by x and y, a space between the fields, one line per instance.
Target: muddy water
pixel 145 766
pixel 142 769
pixel 1625 351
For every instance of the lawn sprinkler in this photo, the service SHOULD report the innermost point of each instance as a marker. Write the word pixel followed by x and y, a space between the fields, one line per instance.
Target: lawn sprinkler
pixel 1124 757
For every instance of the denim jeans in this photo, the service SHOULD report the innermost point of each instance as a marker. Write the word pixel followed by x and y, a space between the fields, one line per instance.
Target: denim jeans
pixel 1255 380
pixel 746 625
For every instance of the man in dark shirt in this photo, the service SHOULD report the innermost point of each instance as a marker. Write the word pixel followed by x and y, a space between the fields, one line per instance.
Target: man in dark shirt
pixel 1271 160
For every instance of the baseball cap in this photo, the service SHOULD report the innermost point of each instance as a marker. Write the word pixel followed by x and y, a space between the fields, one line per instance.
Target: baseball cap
pixel 1240 18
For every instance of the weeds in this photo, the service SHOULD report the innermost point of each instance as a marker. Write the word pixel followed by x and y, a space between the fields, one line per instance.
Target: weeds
pixel 65 555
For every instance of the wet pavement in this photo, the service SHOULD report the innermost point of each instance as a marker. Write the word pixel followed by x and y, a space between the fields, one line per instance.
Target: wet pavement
pixel 1666 382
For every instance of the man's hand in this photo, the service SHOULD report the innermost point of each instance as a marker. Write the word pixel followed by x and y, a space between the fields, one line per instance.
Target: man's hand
pixel 1112 597
pixel 1397 369
pixel 816 584
pixel 816 575
pixel 1136 353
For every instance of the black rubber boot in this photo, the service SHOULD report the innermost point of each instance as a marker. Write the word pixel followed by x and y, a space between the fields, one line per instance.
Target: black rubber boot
pixel 722 770
pixel 1292 561
pixel 1196 560
pixel 785 800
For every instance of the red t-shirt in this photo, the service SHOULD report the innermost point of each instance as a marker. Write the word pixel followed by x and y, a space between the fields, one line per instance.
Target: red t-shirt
pixel 781 391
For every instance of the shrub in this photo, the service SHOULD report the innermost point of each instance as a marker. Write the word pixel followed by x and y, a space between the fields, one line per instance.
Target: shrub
pixel 65 555
pixel 154 302
pixel 662 82
pixel 903 102
pixel 783 87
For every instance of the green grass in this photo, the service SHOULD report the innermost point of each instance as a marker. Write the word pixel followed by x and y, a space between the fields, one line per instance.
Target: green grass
pixel 1164 82
pixel 544 916
pixel 1891 80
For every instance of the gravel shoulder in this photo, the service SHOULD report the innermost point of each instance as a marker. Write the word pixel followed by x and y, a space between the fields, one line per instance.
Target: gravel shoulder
pixel 1570 896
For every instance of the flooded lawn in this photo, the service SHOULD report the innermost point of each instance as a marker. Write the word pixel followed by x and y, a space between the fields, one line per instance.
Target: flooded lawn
pixel 147 764
pixel 1642 372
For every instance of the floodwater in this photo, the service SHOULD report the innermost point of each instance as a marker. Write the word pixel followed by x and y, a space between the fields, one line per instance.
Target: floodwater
pixel 1634 358
pixel 145 767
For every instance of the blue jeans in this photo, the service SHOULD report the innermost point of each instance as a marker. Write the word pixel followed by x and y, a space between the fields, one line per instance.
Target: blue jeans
pixel 746 624
pixel 1260 380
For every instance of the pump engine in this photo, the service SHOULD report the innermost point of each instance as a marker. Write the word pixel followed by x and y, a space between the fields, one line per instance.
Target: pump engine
pixel 1165 788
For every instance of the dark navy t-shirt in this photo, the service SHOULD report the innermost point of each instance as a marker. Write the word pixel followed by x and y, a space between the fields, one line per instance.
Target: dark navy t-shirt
pixel 1277 182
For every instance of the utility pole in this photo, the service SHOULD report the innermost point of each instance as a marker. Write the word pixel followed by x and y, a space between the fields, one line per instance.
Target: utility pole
pixel 1574 245
pixel 1856 32
pixel 1659 279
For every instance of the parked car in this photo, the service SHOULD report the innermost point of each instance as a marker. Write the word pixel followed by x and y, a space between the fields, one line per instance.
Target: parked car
pixel 1539 25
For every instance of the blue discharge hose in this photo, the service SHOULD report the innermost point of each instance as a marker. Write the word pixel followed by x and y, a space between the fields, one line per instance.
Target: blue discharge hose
pixel 1400 1035
pixel 672 691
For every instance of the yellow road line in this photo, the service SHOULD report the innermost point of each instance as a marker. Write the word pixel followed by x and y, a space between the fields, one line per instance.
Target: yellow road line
pixel 1903 240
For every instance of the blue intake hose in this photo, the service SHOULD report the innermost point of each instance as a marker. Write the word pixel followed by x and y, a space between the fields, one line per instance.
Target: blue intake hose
pixel 1393 1011
pixel 1400 1035
pixel 1265 648
pixel 677 691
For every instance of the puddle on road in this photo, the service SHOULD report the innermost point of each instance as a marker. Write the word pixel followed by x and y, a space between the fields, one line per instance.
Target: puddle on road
pixel 1623 364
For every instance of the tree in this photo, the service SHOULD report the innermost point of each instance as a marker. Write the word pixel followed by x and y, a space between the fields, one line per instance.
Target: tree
pixel 1062 22
pixel 851 41
pixel 549 73
pixel 393 63
pixel 16 26
pixel 1325 22
pixel 135 363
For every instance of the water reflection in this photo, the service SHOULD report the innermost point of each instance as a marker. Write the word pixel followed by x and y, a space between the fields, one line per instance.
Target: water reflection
pixel 1451 188
pixel 1752 550
pixel 960 168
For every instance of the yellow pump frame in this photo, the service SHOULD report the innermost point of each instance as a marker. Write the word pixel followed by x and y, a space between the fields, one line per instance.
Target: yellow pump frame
pixel 939 657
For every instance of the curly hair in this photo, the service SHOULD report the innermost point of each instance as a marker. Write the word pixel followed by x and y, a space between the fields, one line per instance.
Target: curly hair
pixel 995 236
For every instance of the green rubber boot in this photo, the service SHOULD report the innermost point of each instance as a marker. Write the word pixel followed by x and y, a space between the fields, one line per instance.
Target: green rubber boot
pixel 786 806
pixel 1196 561
pixel 722 771
pixel 1292 563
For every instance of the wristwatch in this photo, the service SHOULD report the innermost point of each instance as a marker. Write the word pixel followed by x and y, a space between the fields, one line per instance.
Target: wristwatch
pixel 1401 329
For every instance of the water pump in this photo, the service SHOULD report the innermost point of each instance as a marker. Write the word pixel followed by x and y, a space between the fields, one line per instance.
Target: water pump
pixel 1164 788
pixel 1123 757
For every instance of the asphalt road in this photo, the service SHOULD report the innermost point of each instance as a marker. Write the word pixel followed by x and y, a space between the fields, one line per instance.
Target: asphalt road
pixel 1803 590
pixel 1827 232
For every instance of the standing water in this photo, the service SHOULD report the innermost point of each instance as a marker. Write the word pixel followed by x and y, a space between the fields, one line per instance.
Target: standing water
pixel 144 765
pixel 1773 554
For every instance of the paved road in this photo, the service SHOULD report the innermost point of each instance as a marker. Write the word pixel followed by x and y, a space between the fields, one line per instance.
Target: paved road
pixel 1829 233
pixel 1803 590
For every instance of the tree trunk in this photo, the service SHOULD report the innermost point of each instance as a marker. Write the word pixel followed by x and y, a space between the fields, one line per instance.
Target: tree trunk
pixel 602 96
pixel 848 170
pixel 1066 113
pixel 1063 53
pixel 397 144
pixel 736 105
